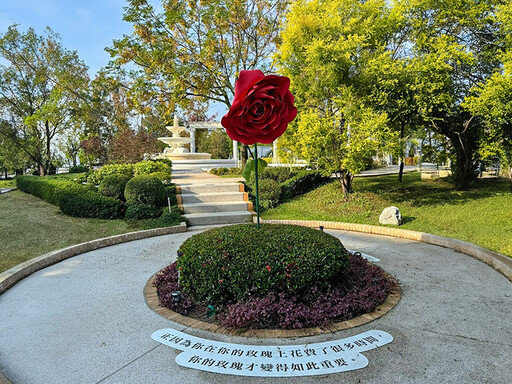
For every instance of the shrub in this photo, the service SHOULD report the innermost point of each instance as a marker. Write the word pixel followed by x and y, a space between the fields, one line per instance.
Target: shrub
pixel 302 182
pixel 239 262
pixel 162 176
pixel 219 171
pixel 164 161
pixel 97 176
pixel 269 193
pixel 113 186
pixel 223 171
pixel 360 290
pixel 85 203
pixel 78 168
pixel 44 187
pixel 145 189
pixel 279 174
pixel 148 167
pixel 167 282
pixel 171 192
pixel 73 199
pixel 142 211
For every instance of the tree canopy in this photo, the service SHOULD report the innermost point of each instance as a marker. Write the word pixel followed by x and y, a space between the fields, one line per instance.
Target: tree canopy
pixel 42 84
pixel 413 63
pixel 191 52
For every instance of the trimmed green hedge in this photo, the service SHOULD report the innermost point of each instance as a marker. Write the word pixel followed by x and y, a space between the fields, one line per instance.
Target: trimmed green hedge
pixel 86 203
pixel 97 176
pixel 269 193
pixel 239 261
pixel 299 183
pixel 302 182
pixel 113 186
pixel 148 167
pixel 142 211
pixel 72 198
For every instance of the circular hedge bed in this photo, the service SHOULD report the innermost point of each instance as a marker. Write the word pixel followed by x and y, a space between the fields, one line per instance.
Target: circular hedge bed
pixel 280 276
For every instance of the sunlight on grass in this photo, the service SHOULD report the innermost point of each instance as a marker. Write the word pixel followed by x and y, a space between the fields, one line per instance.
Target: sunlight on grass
pixel 482 215
pixel 30 227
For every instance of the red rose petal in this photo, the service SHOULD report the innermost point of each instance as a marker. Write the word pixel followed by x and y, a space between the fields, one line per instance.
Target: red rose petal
pixel 246 81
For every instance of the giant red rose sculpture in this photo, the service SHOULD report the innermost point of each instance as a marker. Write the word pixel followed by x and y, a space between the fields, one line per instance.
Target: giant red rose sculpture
pixel 261 109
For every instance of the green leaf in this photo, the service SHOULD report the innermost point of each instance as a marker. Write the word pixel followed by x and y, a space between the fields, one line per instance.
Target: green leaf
pixel 261 165
pixel 249 168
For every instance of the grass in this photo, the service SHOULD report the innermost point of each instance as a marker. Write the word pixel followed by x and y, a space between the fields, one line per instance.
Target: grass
pixel 30 227
pixel 482 215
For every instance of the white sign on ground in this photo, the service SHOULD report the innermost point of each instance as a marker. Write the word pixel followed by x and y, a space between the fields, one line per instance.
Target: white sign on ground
pixel 272 361
pixel 365 256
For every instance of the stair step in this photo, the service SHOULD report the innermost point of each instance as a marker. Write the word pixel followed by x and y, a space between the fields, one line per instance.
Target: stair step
pixel 210 188
pixel 214 207
pixel 218 218
pixel 188 198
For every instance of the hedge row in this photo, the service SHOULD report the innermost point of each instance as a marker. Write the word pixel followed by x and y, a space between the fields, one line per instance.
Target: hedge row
pixel 280 184
pixel 72 198
pixel 160 168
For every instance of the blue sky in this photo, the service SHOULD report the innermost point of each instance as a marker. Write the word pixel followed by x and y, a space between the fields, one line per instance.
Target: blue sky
pixel 87 26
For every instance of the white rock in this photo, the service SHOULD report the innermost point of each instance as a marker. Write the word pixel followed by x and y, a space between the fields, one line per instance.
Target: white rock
pixel 390 215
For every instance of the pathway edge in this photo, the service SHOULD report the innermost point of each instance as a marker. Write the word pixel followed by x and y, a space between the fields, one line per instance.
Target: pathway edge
pixel 12 276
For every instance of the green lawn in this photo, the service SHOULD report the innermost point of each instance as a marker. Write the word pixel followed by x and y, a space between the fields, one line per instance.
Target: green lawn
pixel 30 227
pixel 482 215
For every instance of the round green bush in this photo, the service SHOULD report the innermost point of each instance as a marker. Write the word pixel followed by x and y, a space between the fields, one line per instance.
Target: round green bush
pixel 162 176
pixel 113 186
pixel 269 193
pixel 145 189
pixel 148 167
pixel 142 211
pixel 97 176
pixel 239 262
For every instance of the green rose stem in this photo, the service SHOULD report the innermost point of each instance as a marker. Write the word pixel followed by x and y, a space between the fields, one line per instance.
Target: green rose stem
pixel 256 175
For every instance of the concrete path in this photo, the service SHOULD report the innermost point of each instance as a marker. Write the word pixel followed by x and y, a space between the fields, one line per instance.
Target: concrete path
pixel 389 170
pixel 85 320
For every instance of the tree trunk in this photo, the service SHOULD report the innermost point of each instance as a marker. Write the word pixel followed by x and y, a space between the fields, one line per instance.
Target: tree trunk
pixel 401 171
pixel 464 162
pixel 244 155
pixel 345 179
pixel 402 155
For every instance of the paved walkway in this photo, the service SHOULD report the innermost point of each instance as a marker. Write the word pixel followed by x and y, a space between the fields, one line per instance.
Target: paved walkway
pixel 85 320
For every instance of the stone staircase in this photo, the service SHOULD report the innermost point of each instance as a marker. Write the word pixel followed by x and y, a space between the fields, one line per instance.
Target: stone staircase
pixel 210 203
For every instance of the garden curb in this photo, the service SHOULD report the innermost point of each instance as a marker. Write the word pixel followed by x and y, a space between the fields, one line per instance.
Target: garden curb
pixel 17 273
pixel 498 261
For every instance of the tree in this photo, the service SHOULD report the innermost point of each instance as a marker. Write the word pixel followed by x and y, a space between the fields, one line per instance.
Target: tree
pixel 491 100
pixel 128 146
pixel 327 46
pixel 215 142
pixel 417 61
pixel 191 54
pixel 11 159
pixel 455 47
pixel 40 84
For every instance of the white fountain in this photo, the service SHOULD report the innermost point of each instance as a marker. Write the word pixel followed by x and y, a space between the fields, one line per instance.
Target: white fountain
pixel 176 149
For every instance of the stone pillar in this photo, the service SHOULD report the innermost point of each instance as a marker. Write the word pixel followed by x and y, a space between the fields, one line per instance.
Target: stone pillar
pixel 193 142
pixel 235 152
pixel 275 158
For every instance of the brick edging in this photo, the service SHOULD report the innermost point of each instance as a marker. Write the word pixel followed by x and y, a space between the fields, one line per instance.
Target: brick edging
pixel 498 261
pixel 151 296
pixel 15 274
